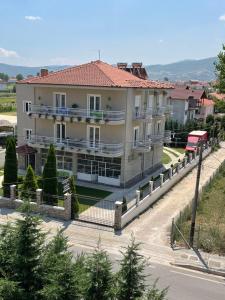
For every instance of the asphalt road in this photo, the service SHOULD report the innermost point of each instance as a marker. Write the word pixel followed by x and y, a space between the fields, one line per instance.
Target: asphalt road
pixel 183 284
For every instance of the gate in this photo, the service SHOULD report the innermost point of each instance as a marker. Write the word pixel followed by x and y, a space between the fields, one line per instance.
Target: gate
pixel 96 210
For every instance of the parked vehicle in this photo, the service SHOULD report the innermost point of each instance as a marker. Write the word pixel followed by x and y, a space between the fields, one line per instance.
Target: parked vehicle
pixel 194 139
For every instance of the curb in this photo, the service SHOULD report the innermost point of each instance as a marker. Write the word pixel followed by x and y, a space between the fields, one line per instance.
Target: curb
pixel 198 268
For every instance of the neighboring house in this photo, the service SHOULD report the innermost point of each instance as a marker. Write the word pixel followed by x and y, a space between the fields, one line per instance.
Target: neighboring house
pixel 106 124
pixel 136 69
pixel 12 80
pixel 3 85
pixel 185 103
pixel 206 108
pixel 217 96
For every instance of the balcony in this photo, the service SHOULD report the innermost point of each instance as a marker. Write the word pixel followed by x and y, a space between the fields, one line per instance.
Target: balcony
pixel 157 139
pixel 77 114
pixel 152 112
pixel 168 109
pixel 167 136
pixel 77 146
pixel 142 114
pixel 142 146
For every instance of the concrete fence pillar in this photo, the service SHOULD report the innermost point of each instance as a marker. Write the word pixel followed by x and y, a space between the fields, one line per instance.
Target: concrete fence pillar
pixel 118 215
pixel 185 161
pixel 67 206
pixel 161 179
pixel 151 187
pixel 138 195
pixel 190 156
pixel 12 192
pixel 194 155
pixel 39 194
pixel 170 173
pixel 178 167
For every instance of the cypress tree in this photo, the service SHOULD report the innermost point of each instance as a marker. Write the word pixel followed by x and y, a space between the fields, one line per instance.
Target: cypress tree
pixel 10 167
pixel 220 70
pixel 131 280
pixel 74 197
pixel 29 185
pixel 49 178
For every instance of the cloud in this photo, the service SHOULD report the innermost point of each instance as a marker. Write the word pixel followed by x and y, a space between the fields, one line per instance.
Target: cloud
pixel 8 53
pixel 222 18
pixel 33 18
pixel 161 41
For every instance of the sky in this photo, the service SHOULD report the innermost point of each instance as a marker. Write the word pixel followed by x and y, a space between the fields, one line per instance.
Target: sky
pixel 50 32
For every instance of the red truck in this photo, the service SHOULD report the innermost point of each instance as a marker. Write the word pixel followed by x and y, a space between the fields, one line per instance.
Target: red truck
pixel 194 138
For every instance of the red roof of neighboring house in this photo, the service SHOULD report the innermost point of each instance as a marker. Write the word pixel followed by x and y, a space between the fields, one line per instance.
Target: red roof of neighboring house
pixel 218 96
pixel 207 102
pixel 184 93
pixel 25 150
pixel 96 73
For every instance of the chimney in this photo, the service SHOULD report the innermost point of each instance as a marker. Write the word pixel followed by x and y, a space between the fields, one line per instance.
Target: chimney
pixel 44 72
pixel 136 65
pixel 121 65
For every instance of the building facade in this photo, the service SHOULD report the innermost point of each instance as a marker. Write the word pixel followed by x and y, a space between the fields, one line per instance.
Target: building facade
pixel 107 125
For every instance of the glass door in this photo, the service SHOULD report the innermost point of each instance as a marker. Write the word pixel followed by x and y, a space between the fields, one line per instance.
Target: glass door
pixel 60 132
pixel 94 136
pixel 60 102
pixel 94 105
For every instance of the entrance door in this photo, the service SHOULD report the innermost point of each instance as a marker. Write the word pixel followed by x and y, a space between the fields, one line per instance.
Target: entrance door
pixel 60 132
pixel 94 136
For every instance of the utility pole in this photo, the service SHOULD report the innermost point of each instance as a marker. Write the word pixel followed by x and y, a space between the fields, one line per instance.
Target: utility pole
pixel 195 200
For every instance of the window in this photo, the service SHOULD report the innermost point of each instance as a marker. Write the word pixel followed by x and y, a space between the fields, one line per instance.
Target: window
pixel 94 102
pixel 60 99
pixel 136 136
pixel 150 101
pixel 27 134
pixel 149 130
pixel 26 106
pixel 60 132
pixel 93 135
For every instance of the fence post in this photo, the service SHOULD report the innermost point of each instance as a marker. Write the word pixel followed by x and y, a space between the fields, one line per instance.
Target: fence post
pixel 170 173
pixel 190 156
pixel 185 161
pixel 138 194
pixel 178 167
pixel 151 187
pixel 39 196
pixel 12 192
pixel 118 215
pixel 172 234
pixel 161 179
pixel 194 155
pixel 67 206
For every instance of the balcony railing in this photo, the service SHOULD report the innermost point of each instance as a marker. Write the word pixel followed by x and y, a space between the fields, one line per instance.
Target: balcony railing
pixel 142 114
pixel 78 145
pixel 152 112
pixel 77 112
pixel 142 146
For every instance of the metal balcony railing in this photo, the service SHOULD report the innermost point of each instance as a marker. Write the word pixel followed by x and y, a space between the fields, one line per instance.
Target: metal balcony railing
pixel 70 144
pixel 77 112
pixel 142 146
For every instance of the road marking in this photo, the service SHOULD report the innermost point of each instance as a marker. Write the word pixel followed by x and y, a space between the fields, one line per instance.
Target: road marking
pixel 198 277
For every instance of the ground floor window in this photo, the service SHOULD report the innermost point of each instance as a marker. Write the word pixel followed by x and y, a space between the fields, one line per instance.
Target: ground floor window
pixel 64 159
pixel 97 165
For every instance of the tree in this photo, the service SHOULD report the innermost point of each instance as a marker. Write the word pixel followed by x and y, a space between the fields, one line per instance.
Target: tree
pixel 210 119
pixel 131 280
pixel 10 290
pixel 29 185
pixel 155 294
pixel 19 77
pixel 220 70
pixel 4 77
pixel 49 177
pixel 99 284
pixel 74 197
pixel 10 167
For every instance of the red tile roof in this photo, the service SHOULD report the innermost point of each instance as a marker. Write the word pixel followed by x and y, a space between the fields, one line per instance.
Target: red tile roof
pixel 207 102
pixel 183 93
pixel 96 73
pixel 25 150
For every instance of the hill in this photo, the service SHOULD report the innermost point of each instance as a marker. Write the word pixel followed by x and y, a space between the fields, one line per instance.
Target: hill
pixel 202 69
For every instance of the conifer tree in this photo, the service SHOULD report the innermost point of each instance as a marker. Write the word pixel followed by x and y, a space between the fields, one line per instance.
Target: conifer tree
pixel 10 167
pixel 220 70
pixel 29 185
pixel 131 278
pixel 49 178
pixel 74 197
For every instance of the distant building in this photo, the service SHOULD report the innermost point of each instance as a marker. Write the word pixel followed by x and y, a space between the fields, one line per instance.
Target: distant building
pixel 189 104
pixel 12 80
pixel 3 85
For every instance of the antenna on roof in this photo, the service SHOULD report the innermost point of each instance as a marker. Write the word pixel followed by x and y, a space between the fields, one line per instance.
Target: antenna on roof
pixel 99 54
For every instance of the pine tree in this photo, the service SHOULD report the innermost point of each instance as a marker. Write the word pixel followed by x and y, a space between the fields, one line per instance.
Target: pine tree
pixel 29 185
pixel 10 290
pixel 100 277
pixel 220 70
pixel 74 197
pixel 49 178
pixel 10 167
pixel 131 280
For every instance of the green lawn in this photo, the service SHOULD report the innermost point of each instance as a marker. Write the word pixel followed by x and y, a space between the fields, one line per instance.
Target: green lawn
pixel 210 219
pixel 180 150
pixel 7 100
pixel 165 159
pixel 172 152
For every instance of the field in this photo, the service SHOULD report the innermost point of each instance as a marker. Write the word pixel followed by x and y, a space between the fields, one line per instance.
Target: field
pixel 210 221
pixel 165 159
pixel 8 104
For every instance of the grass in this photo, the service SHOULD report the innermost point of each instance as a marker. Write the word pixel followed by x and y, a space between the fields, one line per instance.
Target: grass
pixel 172 152
pixel 9 113
pixel 210 220
pixel 165 159
pixel 180 150
pixel 4 100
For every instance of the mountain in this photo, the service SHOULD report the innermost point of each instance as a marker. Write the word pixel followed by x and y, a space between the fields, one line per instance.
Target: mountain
pixel 12 70
pixel 201 69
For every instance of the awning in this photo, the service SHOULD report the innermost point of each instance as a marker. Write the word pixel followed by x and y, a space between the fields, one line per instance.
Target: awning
pixel 193 139
pixel 25 150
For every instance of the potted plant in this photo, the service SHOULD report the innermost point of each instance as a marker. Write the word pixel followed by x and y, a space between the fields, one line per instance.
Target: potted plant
pixel 79 118
pixel 75 105
pixel 88 120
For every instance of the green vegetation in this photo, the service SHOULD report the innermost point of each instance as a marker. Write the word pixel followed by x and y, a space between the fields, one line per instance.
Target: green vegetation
pixel 172 152
pixel 165 159
pixel 32 267
pixel 220 70
pixel 97 193
pixel 7 100
pixel 29 185
pixel 74 197
pixel 210 222
pixel 180 150
pixel 10 168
